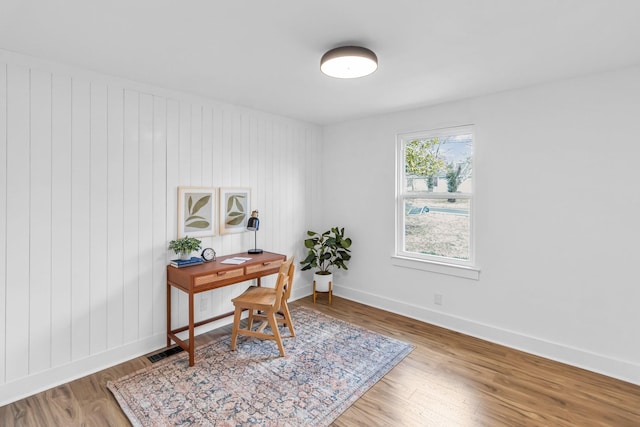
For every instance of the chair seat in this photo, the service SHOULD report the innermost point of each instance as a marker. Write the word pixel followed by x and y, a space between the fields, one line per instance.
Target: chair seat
pixel 256 296
pixel 266 296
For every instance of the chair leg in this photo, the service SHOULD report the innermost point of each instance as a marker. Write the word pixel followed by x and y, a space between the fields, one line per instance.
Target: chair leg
pixel 236 325
pixel 271 317
pixel 250 319
pixel 287 318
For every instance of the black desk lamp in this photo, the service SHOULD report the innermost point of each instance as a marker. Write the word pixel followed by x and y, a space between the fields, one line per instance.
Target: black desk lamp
pixel 254 225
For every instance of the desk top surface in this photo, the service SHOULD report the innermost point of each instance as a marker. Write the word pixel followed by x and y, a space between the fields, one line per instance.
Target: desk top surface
pixel 217 265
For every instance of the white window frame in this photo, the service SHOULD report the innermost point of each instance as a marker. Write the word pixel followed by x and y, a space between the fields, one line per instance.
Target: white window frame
pixel 437 264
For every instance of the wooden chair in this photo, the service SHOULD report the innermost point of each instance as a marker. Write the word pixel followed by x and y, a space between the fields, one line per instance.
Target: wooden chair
pixel 283 315
pixel 265 303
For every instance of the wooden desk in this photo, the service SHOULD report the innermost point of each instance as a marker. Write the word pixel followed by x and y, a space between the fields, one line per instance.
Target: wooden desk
pixel 212 275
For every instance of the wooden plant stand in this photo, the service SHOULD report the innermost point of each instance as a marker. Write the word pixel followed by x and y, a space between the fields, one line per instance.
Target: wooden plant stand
pixel 330 291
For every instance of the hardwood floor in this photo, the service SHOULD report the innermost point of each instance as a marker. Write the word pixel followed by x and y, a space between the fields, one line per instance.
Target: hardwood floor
pixel 449 379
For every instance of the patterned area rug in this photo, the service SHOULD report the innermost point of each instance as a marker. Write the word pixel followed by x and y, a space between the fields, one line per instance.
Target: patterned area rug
pixel 329 365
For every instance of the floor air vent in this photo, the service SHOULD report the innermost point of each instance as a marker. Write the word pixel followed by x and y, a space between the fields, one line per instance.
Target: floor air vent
pixel 164 354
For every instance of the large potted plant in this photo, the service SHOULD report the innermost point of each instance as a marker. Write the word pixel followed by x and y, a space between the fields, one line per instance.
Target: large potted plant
pixel 184 246
pixel 326 250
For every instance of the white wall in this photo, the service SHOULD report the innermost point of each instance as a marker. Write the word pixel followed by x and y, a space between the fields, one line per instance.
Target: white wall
pixel 557 224
pixel 89 170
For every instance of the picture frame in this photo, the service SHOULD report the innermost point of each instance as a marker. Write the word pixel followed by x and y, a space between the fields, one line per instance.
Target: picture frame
pixel 197 211
pixel 235 209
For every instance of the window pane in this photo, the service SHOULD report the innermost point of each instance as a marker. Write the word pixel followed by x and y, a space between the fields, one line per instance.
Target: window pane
pixel 439 164
pixel 438 227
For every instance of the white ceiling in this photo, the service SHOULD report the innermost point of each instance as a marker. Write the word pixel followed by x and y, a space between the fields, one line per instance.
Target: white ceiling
pixel 265 54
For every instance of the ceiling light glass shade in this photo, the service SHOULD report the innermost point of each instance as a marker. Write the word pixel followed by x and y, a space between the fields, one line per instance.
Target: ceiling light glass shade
pixel 348 62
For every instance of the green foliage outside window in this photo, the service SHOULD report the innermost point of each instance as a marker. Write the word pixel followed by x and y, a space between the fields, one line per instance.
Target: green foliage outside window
pixel 422 158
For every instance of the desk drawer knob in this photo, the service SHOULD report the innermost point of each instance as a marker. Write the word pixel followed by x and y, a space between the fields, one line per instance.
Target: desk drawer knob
pixel 221 273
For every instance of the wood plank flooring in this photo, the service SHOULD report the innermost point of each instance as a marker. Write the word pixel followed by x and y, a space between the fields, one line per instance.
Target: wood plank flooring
pixel 449 379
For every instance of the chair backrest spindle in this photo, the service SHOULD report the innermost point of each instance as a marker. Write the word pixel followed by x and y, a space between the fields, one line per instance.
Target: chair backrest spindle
pixel 283 284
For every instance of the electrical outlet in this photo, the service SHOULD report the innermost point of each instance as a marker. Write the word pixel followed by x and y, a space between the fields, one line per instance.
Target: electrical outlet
pixel 437 299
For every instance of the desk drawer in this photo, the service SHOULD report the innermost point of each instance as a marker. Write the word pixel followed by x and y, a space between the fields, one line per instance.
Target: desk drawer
pixel 264 266
pixel 217 277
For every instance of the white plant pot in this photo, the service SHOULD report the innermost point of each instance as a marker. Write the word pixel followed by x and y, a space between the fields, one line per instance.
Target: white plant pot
pixel 322 281
pixel 185 256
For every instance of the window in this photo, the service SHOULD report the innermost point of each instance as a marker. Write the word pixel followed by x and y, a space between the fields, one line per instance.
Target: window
pixel 435 196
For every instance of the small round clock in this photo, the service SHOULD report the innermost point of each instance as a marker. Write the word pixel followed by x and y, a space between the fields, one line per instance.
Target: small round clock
pixel 208 254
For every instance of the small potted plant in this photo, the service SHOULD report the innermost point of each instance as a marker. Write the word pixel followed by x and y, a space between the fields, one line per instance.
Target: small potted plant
pixel 326 250
pixel 184 246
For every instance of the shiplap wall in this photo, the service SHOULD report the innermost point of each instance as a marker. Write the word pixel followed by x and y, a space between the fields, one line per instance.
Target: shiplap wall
pixel 90 167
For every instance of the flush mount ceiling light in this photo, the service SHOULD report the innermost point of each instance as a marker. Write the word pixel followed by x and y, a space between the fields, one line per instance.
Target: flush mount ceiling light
pixel 349 62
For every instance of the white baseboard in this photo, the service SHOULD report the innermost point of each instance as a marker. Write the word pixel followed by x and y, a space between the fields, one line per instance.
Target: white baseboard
pixel 620 369
pixel 626 371
pixel 35 383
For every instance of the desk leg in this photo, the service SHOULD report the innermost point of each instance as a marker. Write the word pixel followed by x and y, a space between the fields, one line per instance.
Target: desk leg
pixel 191 328
pixel 168 314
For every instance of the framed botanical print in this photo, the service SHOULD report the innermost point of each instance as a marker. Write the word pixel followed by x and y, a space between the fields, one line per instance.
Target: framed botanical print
pixel 196 211
pixel 235 209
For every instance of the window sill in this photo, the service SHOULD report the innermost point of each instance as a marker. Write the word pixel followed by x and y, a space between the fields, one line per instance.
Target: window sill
pixel 437 267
